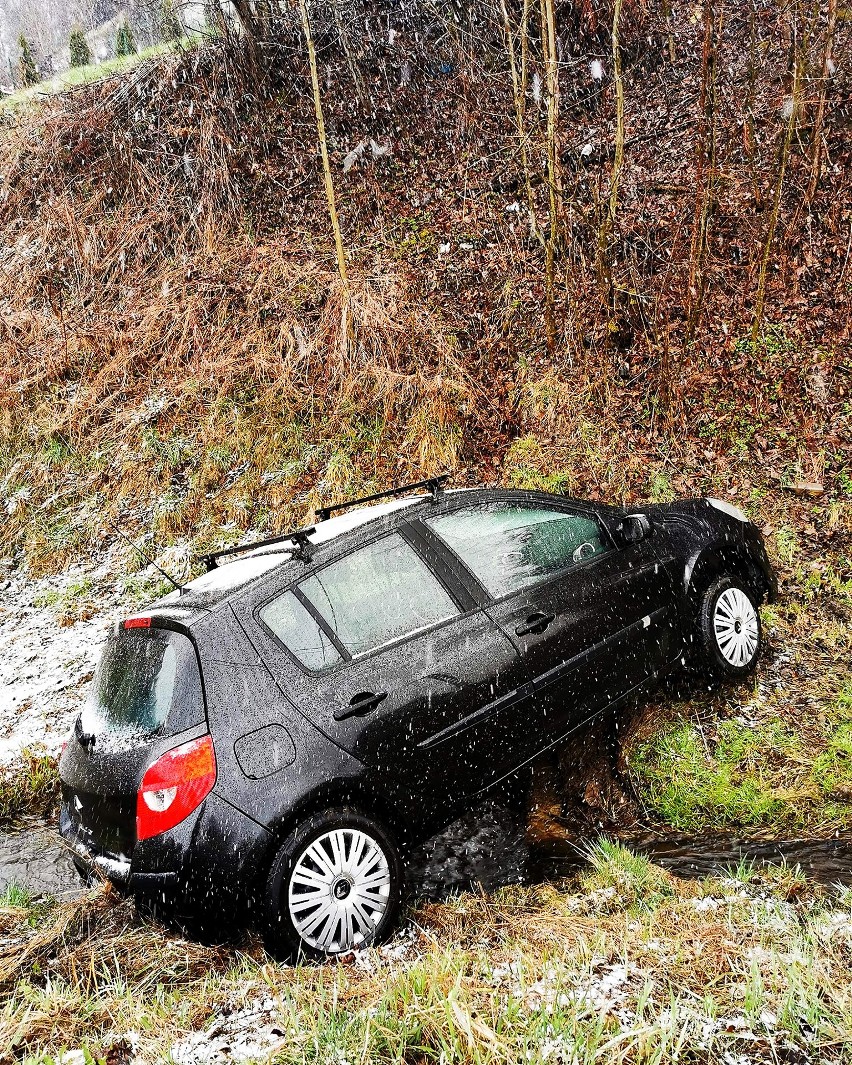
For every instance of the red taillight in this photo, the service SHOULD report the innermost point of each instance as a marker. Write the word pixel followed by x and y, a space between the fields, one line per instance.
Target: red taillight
pixel 137 623
pixel 175 785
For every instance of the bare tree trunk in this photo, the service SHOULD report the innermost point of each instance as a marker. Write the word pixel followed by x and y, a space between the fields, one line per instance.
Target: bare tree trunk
pixel 519 89
pixel 748 125
pixel 548 41
pixel 323 143
pixel 784 155
pixel 608 219
pixel 819 119
pixel 705 169
pixel 251 33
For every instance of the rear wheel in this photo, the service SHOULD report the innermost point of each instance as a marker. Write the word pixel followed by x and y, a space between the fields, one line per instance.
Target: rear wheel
pixel 335 886
pixel 729 630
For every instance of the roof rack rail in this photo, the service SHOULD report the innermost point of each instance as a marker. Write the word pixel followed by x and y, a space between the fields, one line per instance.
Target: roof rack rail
pixel 303 549
pixel 434 484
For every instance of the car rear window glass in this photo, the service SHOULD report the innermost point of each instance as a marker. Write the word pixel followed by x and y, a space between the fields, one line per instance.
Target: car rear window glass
pixel 377 594
pixel 288 620
pixel 509 547
pixel 145 678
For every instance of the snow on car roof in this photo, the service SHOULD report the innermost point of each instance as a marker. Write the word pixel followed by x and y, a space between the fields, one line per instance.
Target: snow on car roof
pixel 229 576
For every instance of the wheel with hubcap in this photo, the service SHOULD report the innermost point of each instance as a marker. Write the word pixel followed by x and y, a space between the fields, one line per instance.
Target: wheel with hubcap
pixel 334 887
pixel 729 630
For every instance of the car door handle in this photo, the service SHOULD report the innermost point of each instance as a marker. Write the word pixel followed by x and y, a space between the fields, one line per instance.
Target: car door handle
pixel 362 703
pixel 536 623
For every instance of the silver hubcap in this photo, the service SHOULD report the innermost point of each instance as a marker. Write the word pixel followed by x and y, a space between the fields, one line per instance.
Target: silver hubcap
pixel 735 627
pixel 339 890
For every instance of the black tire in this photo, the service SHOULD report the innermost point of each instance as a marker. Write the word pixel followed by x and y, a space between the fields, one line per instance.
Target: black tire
pixel 735 652
pixel 282 938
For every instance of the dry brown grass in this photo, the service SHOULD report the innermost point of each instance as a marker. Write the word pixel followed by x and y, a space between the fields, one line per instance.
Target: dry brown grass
pixel 171 310
pixel 478 978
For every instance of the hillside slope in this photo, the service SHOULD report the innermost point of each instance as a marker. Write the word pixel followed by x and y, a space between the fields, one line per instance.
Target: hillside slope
pixel 175 332
pixel 180 354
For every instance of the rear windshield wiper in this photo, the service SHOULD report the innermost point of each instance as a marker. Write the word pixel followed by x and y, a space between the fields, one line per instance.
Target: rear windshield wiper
pixel 86 738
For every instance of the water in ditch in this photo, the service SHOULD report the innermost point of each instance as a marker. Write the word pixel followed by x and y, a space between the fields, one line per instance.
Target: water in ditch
pixel 33 857
pixel 487 847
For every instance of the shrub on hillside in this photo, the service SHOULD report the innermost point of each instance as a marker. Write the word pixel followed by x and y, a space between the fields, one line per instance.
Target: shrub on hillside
pixel 169 25
pixel 124 42
pixel 81 54
pixel 27 66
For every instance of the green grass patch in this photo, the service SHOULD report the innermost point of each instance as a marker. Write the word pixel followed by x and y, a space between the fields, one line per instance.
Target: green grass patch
pixel 634 877
pixel 526 468
pixel 30 785
pixel 75 76
pixel 68 599
pixel 695 781
pixel 139 589
pixel 833 768
pixel 15 897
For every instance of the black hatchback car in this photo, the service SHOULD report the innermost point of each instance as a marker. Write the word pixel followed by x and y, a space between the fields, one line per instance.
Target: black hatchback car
pixel 276 735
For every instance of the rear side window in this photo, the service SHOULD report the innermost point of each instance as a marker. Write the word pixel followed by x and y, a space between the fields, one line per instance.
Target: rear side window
pixel 509 547
pixel 295 626
pixel 146 678
pixel 378 594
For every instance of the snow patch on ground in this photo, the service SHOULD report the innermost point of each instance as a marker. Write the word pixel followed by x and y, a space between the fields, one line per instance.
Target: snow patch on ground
pixel 247 1034
pixel 45 665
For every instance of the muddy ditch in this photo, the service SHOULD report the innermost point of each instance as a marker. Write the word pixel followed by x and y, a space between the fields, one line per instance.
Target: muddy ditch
pixel 574 797
pixel 487 849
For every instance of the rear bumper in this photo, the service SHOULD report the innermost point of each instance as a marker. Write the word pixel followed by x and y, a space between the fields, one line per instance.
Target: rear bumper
pixel 210 861
pixel 87 856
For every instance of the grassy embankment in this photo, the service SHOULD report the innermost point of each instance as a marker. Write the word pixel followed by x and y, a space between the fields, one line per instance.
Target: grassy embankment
pixel 74 76
pixel 181 357
pixel 625 964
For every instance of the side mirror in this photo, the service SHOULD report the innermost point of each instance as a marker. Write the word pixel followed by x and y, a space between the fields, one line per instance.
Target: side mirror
pixel 633 529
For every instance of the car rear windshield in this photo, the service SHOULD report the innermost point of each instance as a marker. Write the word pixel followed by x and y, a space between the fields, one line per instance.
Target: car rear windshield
pixel 146 679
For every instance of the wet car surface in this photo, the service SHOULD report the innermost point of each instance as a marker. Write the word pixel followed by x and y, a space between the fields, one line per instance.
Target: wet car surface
pixel 275 739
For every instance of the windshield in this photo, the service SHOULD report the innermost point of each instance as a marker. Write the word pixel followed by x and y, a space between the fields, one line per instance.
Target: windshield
pixel 145 678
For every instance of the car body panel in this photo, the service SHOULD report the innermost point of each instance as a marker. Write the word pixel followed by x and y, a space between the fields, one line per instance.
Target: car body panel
pixel 436 683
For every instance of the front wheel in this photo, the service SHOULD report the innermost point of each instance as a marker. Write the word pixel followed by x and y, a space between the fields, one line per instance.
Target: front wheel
pixel 729 631
pixel 334 886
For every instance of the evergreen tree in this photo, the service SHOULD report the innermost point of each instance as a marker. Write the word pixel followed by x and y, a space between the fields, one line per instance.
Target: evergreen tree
pixel 124 43
pixel 169 28
pixel 26 66
pixel 81 54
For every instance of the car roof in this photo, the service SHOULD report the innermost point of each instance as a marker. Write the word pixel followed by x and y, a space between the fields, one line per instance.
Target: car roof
pixel 206 592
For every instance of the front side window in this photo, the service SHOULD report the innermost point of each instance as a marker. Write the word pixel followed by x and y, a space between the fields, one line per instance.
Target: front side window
pixel 377 594
pixel 509 547
pixel 295 626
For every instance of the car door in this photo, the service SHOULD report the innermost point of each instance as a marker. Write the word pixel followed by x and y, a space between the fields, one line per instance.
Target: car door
pixel 591 621
pixel 398 666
